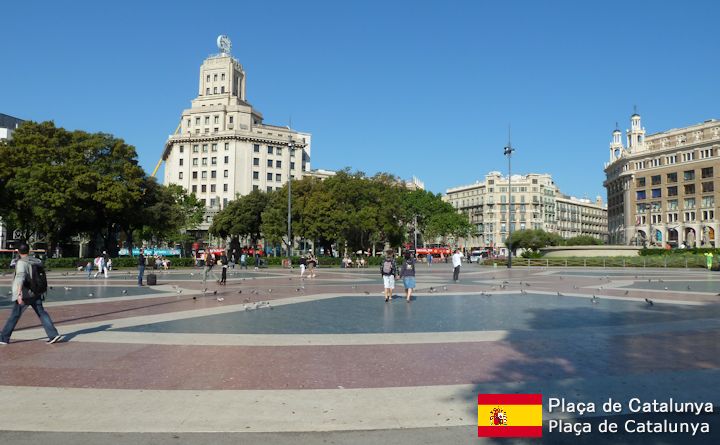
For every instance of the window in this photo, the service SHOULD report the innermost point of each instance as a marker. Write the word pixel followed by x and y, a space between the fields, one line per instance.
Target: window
pixel 213 174
pixel 207 120
pixel 256 161
pixel 256 148
pixel 270 150
pixel 213 161
pixel 269 176
pixel 655 180
pixel 672 191
pixel 212 203
pixel 689 203
pixel 672 204
pixel 197 121
pixel 216 119
pixel 194 189
pixel 225 174
pixel 708 215
pixel 689 175
pixel 214 90
pixel 226 159
pixel 204 161
pixel 207 91
pixel 181 161
pixel 672 217
pixel 292 166
pixel 690 189
pixel 204 148
pixel 180 175
pixel 278 151
pixel 277 177
pixel 203 188
pixel 216 129
pixel 707 172
pixel 214 147
pixel 640 182
pixel 214 77
pixel 227 145
pixel 689 216
pixel 269 163
pixel 690 156
pixel 640 195
pixel 195 162
pixel 222 76
pixel 708 201
pixel 225 187
pixel 255 187
pixel 256 175
pixel 708 187
pixel 182 149
pixel 222 89
pixel 203 175
pixel 278 164
pixel 208 77
pixel 212 188
pixel 196 149
pixel 194 175
pixel 671 177
pixel 269 189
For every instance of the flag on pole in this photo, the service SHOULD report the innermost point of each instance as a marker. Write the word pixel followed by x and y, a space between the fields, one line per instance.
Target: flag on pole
pixel 509 415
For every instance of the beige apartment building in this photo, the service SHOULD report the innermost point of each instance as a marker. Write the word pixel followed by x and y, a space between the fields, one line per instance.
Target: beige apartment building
pixel 222 148
pixel 537 204
pixel 662 187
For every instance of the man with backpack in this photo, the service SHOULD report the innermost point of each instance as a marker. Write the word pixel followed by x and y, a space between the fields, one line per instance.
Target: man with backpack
pixel 388 270
pixel 28 289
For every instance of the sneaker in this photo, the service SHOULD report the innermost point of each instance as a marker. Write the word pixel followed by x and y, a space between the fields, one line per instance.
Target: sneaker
pixel 3 342
pixel 54 339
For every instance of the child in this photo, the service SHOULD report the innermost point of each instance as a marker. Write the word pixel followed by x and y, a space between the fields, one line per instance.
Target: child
pixel 88 268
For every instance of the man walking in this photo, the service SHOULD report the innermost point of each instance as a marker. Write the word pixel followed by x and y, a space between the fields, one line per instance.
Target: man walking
pixel 141 266
pixel 23 297
pixel 456 262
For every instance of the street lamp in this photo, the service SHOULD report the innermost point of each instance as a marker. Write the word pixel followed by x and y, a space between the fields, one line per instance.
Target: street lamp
pixel 508 152
pixel 291 148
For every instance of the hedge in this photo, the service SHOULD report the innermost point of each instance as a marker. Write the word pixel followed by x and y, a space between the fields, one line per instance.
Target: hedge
pixel 690 261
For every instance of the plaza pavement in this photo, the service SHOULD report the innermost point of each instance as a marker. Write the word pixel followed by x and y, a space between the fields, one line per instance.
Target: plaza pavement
pixel 285 360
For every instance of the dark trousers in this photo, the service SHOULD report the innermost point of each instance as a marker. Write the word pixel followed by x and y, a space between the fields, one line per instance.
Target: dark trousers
pixel 223 276
pixel 141 272
pixel 17 312
pixel 456 273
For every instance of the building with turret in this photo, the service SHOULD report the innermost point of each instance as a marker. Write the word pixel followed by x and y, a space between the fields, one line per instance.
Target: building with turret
pixel 222 148
pixel 661 188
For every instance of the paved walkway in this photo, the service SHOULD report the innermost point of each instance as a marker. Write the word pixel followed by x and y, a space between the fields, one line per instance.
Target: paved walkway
pixel 282 359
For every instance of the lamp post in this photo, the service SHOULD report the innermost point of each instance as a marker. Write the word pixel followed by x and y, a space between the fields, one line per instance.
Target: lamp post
pixel 508 152
pixel 291 148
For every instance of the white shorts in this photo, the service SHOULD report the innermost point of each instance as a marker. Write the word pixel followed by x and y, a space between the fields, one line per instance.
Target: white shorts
pixel 389 281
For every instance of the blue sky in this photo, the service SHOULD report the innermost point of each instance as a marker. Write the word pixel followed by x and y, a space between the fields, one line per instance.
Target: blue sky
pixel 424 88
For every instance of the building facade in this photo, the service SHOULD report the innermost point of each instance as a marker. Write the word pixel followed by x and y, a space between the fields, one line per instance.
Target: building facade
pixel 662 188
pixel 536 204
pixel 222 148
pixel 8 124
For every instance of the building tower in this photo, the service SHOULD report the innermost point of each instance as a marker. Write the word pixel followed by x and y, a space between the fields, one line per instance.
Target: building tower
pixel 222 148
pixel 616 146
pixel 636 134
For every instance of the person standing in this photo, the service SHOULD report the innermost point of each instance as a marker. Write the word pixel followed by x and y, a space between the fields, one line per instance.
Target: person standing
pixel 98 265
pixel 311 265
pixel 303 265
pixel 223 275
pixel 407 272
pixel 23 297
pixel 456 262
pixel 257 260
pixel 105 263
pixel 243 261
pixel 141 266
pixel 208 269
pixel 388 270
pixel 429 259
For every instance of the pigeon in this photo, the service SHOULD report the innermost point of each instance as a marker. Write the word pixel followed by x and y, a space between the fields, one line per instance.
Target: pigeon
pixel 240 291
pixel 68 288
pixel 220 299
pixel 575 286
pixel 215 292
pixel 660 280
pixel 666 288
pixel 90 294
pixel 124 291
pixel 179 291
pixel 560 277
pixel 269 291
pixel 559 294
pixel 527 284
pixel 50 288
pixel 689 288
pixel 627 292
pixel 297 289
pixel 523 291
pixel 354 286
pixel 444 287
pixel 367 293
pixel 594 299
pixel 649 302
pixel 432 289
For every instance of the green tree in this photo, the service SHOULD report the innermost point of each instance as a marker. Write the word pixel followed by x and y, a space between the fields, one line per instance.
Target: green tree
pixel 532 239
pixel 242 217
pixel 582 240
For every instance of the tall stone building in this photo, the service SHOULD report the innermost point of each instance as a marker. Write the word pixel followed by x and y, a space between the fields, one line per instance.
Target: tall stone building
pixel 537 203
pixel 662 188
pixel 222 147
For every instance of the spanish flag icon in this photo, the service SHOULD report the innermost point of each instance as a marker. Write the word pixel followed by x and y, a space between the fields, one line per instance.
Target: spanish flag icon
pixel 509 415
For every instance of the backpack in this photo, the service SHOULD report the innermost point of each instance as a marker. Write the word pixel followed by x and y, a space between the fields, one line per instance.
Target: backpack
pixel 36 283
pixel 387 267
